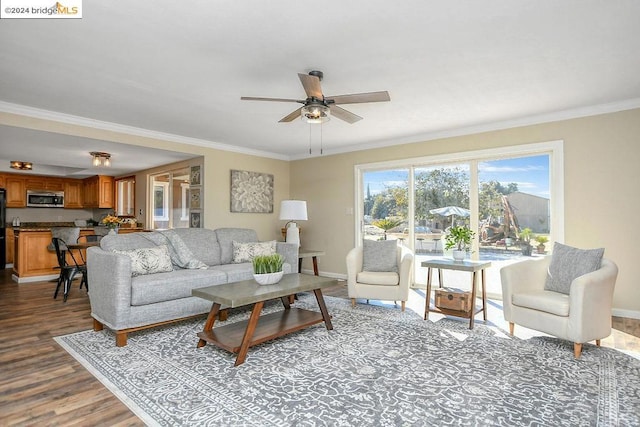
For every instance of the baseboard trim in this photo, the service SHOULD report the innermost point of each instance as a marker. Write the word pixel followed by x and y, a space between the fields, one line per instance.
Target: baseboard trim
pixel 631 314
pixel 326 274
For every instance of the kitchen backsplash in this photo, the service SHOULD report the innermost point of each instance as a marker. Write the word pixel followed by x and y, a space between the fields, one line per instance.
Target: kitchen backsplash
pixel 54 214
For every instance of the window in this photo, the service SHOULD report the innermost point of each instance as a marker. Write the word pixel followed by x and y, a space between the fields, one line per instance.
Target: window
pixel 497 193
pixel 169 201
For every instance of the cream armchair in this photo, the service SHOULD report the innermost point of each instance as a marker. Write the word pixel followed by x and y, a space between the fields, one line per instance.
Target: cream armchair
pixel 582 316
pixel 385 286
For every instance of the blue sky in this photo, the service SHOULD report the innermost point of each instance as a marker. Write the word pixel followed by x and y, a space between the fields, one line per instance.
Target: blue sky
pixel 530 173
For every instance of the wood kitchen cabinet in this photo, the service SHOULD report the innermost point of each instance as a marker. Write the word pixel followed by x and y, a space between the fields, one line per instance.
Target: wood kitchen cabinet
pixel 99 192
pixel 44 183
pixel 32 258
pixel 73 189
pixel 10 246
pixel 16 191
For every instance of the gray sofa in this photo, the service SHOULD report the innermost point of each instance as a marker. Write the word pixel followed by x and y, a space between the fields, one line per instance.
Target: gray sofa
pixel 125 304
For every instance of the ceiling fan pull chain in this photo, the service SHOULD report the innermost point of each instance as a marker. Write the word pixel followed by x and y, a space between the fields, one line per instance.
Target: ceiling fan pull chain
pixel 309 138
pixel 321 139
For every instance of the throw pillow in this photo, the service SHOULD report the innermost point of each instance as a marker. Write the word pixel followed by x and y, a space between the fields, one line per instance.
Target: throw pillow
pixel 379 255
pixel 568 263
pixel 148 260
pixel 245 252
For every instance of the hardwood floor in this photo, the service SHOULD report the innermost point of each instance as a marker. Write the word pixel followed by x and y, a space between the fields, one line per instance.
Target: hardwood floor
pixel 41 384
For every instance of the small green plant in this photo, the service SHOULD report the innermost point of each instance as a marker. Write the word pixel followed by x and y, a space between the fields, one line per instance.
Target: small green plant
pixel 541 239
pixel 264 264
pixel 459 237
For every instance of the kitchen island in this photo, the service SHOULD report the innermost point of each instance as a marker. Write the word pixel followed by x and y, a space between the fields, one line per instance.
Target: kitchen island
pixel 33 261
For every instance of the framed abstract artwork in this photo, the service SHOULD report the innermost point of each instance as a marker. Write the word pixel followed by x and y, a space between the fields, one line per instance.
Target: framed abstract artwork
pixel 251 192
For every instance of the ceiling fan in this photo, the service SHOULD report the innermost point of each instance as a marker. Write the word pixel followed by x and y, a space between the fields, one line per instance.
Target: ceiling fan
pixel 316 107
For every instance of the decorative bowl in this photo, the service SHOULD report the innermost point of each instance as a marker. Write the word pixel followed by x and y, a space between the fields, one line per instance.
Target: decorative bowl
pixel 268 278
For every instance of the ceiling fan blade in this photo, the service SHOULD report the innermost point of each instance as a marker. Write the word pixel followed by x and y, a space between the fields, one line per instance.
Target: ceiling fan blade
pixel 291 116
pixel 343 114
pixel 311 85
pixel 254 98
pixel 358 98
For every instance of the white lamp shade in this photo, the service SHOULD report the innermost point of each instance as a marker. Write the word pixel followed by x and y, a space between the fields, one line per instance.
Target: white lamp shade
pixel 293 210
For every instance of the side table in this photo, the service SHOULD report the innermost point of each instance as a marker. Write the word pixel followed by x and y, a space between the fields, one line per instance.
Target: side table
pixel 309 253
pixel 448 264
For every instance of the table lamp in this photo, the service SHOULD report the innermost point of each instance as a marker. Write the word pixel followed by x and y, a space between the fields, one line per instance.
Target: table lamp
pixel 293 210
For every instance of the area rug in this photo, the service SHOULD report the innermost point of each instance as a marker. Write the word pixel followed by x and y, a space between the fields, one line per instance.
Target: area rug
pixel 378 367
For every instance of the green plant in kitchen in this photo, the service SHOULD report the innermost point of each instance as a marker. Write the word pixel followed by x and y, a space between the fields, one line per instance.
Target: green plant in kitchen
pixel 265 264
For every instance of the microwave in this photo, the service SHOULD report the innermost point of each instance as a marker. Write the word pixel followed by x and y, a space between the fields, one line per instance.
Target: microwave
pixel 45 199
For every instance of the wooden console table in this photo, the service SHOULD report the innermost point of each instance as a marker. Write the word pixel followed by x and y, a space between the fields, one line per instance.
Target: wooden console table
pixel 448 264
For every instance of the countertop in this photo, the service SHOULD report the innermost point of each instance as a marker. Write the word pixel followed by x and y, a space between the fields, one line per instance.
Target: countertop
pixel 46 226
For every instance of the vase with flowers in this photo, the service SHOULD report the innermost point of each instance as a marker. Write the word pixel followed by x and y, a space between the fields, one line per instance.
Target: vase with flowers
pixel 112 223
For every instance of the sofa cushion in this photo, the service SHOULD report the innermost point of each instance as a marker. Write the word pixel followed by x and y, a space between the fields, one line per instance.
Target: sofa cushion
pixel 125 242
pixel 245 252
pixel 569 263
pixel 202 242
pixel 235 272
pixel 226 237
pixel 380 255
pixel 148 260
pixel 181 255
pixel 177 284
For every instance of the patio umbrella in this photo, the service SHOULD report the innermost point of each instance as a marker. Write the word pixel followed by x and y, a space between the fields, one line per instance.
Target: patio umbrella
pixel 451 211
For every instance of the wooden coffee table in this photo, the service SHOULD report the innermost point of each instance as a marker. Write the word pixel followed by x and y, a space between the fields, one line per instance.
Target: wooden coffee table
pixel 238 337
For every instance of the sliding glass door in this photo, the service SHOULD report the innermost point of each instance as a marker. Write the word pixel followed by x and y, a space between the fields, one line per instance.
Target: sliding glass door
pixel 505 198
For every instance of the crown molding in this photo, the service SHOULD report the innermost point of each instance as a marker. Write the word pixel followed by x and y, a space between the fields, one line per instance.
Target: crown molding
pixel 430 136
pixel 23 110
pixel 556 116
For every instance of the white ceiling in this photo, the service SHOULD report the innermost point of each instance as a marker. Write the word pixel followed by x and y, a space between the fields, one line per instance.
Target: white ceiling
pixel 180 68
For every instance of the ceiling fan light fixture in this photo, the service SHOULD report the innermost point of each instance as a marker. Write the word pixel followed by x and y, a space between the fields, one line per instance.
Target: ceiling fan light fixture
pixel 315 113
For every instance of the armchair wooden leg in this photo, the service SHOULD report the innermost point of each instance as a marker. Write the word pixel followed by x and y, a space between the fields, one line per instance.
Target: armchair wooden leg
pixel 511 326
pixel 403 303
pixel 97 326
pixel 577 350
pixel 598 343
pixel 353 302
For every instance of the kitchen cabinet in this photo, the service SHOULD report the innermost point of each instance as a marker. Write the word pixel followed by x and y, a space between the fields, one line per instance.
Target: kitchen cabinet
pixel 44 183
pixel 10 245
pixel 16 191
pixel 32 258
pixel 98 192
pixel 73 189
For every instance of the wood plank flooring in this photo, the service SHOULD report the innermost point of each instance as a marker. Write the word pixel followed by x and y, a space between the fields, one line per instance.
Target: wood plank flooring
pixel 41 384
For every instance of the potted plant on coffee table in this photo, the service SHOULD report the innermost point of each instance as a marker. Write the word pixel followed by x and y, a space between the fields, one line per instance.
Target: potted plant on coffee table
pixel 267 269
pixel 459 238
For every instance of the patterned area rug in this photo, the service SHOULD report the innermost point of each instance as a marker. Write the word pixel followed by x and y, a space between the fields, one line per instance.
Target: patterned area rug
pixel 377 367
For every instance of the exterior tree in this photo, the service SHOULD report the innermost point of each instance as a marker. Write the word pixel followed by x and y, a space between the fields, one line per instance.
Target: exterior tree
pixel 387 224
